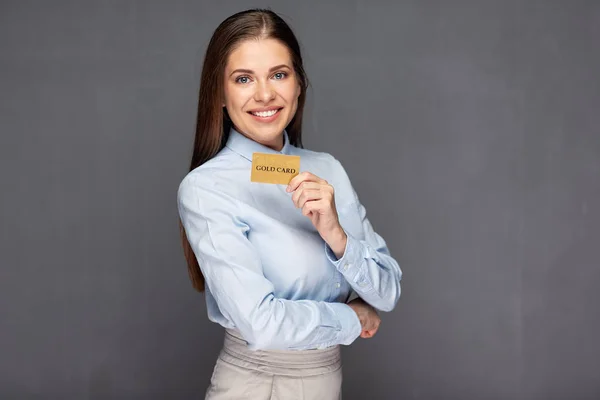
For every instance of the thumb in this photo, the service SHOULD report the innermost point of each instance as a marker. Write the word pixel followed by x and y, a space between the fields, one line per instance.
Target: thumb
pixel 366 334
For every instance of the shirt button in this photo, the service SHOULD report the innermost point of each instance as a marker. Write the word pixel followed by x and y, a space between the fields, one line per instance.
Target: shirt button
pixel 337 284
pixel 346 266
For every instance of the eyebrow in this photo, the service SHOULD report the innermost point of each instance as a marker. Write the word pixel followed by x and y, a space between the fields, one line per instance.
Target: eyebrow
pixel 249 71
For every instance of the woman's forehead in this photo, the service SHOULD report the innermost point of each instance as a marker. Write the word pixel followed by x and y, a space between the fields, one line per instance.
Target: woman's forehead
pixel 259 55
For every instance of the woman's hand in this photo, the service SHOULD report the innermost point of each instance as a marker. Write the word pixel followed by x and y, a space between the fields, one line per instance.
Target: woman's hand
pixel 368 316
pixel 316 199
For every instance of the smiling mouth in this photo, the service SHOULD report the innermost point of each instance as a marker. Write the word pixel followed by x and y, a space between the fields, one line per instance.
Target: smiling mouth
pixel 265 114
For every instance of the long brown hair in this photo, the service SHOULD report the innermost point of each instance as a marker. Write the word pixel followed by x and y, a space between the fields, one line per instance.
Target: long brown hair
pixel 212 123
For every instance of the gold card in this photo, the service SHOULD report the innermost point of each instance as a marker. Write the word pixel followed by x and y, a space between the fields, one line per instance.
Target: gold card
pixel 274 168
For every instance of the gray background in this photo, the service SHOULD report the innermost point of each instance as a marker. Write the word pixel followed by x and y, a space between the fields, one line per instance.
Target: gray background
pixel 470 130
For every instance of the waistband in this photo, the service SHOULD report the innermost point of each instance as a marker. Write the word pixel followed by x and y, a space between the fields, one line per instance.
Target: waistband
pixel 280 362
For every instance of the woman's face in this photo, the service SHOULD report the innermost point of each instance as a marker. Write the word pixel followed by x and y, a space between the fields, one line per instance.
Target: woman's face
pixel 261 90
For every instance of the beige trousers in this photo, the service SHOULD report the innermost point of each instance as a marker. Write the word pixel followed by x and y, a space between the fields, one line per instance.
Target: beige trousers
pixel 241 373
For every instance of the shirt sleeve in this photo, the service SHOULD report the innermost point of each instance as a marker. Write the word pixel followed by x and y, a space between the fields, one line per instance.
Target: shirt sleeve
pixel 367 264
pixel 233 273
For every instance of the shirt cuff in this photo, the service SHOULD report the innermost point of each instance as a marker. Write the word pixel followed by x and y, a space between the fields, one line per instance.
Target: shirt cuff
pixel 352 264
pixel 349 263
pixel 350 324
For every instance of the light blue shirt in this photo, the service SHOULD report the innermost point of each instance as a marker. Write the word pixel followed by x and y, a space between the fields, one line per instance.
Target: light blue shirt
pixel 268 272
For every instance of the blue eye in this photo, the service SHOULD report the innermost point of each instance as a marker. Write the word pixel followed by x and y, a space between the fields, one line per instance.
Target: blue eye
pixel 280 75
pixel 239 79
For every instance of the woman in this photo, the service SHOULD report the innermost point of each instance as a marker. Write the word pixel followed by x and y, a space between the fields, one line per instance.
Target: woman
pixel 278 262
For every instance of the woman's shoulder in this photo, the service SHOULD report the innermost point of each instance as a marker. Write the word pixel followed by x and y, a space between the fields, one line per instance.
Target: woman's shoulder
pixel 211 177
pixel 222 166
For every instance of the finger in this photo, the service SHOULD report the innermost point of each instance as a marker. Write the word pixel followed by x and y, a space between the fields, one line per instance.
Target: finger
pixel 367 334
pixel 309 195
pixel 372 330
pixel 301 177
pixel 372 325
pixel 313 206
pixel 325 193
pixel 302 187
pixel 376 324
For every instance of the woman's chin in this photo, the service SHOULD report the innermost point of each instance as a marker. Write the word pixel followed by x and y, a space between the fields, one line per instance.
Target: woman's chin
pixel 267 134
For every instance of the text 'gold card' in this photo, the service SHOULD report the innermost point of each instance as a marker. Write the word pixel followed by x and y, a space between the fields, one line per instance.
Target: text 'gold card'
pixel 274 168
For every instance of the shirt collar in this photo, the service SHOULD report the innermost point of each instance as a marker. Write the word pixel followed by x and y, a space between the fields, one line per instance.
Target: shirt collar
pixel 245 146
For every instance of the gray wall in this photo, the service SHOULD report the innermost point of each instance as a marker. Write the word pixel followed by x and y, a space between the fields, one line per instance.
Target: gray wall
pixel 470 130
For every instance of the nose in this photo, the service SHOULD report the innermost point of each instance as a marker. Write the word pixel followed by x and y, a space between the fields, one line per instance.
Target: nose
pixel 264 92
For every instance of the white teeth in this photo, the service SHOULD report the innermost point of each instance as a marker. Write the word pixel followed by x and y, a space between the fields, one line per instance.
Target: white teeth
pixel 265 113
